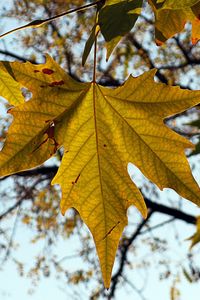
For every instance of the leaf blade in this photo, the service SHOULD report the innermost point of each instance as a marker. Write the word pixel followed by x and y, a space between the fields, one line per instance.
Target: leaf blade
pixel 171 17
pixel 101 130
pixel 9 88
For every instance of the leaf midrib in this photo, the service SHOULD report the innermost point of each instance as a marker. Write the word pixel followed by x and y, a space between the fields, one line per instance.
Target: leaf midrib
pixel 100 175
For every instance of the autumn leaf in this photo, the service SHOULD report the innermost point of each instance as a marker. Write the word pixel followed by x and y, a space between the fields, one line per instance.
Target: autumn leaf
pixel 195 20
pixel 178 4
pixel 101 131
pixel 196 124
pixel 171 17
pixel 28 137
pixel 195 238
pixel 187 275
pixel 116 18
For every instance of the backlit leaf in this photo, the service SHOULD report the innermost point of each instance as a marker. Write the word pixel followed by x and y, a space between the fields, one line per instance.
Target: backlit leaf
pixel 170 18
pixel 178 4
pixel 195 238
pixel 89 43
pixel 196 124
pixel 101 130
pixel 116 18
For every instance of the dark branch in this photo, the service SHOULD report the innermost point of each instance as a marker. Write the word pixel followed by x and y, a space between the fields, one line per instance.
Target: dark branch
pixel 50 172
pixel 16 56
pixel 154 207
pixel 170 211
pixel 124 250
pixel 138 46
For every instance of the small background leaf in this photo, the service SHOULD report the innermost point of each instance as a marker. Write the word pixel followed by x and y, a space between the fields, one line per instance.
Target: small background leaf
pixel 116 18
pixel 196 124
pixel 195 238
pixel 170 18
pixel 89 43
pixel 179 4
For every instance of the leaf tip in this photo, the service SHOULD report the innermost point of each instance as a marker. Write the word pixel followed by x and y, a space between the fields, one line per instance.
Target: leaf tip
pixel 107 283
pixel 10 109
pixel 48 58
pixel 63 210
pixel 145 212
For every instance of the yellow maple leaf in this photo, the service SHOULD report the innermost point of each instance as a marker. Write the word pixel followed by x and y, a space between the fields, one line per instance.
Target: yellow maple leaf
pixel 101 130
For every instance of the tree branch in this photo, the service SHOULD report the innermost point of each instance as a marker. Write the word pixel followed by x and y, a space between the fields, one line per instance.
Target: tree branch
pixel 124 250
pixel 154 207
pixel 10 209
pixel 170 211
pixel 173 212
pixel 49 171
pixel 138 46
pixel 16 56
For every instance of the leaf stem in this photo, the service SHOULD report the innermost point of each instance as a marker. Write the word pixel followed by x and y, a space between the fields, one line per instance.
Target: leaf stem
pixel 38 23
pixel 95 51
pixel 95 60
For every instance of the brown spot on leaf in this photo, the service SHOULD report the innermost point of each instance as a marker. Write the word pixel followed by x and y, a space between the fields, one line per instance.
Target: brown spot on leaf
pixel 36 71
pixel 77 178
pixel 105 145
pixel 194 41
pixel 158 42
pixel 110 231
pixel 47 71
pixel 56 83
pixel 9 110
pixel 50 136
pixel 42 86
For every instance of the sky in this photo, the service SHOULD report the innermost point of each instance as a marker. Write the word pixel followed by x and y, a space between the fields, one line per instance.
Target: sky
pixel 14 287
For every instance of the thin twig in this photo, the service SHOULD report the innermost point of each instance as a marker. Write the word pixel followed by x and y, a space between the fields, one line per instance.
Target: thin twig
pixel 10 209
pixel 95 53
pixel 38 23
pixel 4 259
pixel 16 56
pixel 138 291
pixel 158 225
